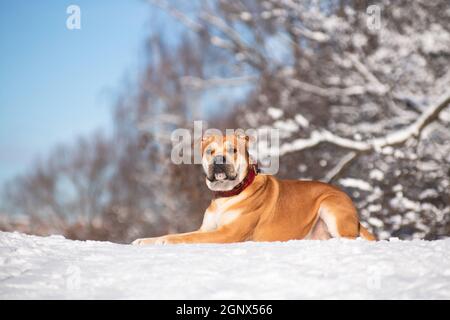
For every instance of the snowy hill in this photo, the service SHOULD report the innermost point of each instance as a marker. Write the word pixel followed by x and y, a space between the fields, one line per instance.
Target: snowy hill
pixel 53 267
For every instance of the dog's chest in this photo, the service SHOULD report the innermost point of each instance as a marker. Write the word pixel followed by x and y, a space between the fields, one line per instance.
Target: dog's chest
pixel 219 214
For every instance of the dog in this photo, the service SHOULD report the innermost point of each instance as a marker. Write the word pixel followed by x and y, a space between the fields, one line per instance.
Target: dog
pixel 249 206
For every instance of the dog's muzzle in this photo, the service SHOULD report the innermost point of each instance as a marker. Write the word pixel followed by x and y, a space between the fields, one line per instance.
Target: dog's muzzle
pixel 219 170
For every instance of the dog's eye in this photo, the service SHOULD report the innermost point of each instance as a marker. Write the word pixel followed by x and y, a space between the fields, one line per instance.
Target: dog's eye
pixel 209 152
pixel 232 150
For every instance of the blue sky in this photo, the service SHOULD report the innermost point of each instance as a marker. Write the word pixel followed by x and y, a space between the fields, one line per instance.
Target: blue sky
pixel 57 84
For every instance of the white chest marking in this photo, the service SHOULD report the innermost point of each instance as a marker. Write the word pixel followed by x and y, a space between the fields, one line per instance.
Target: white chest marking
pixel 220 216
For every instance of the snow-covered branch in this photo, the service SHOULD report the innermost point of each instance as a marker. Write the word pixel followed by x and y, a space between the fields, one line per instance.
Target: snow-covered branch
pixel 317 36
pixel 374 84
pixel 328 91
pixel 343 163
pixel 416 128
pixel 391 139
pixel 199 83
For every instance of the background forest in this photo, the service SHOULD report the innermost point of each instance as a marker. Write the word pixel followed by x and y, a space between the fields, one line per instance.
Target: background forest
pixel 358 89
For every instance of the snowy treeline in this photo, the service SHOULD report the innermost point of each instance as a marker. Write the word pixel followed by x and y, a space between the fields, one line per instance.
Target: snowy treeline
pixel 359 91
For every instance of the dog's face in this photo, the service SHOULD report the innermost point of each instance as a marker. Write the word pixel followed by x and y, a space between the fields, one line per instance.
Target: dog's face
pixel 225 160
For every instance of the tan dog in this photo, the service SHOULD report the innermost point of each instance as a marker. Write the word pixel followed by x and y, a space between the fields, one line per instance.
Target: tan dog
pixel 252 207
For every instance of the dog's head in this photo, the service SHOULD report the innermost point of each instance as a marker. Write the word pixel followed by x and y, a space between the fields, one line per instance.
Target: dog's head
pixel 225 160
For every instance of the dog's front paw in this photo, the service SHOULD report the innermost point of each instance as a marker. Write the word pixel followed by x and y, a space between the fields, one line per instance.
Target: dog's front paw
pixel 145 241
pixel 139 242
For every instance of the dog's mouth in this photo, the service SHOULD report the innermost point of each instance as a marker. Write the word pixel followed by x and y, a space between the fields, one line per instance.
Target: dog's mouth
pixel 220 173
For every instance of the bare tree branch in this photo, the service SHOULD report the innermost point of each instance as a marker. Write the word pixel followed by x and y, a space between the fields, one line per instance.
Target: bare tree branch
pixel 254 57
pixel 234 43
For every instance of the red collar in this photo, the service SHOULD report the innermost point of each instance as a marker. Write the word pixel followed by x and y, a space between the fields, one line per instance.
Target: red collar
pixel 252 173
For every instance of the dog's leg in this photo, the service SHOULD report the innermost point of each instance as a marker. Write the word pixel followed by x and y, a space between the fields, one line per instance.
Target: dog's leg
pixel 319 231
pixel 340 216
pixel 221 235
pixel 158 240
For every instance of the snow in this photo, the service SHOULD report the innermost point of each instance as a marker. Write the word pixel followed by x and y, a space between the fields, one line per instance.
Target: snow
pixel 355 183
pixel 301 120
pixel 275 113
pixel 435 40
pixel 376 174
pixel 376 222
pixel 53 267
pixel 246 16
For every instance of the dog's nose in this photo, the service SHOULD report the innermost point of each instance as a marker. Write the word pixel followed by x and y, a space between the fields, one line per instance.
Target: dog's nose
pixel 219 160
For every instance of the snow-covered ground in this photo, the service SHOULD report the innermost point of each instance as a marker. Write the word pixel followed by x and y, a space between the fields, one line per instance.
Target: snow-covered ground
pixel 53 267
